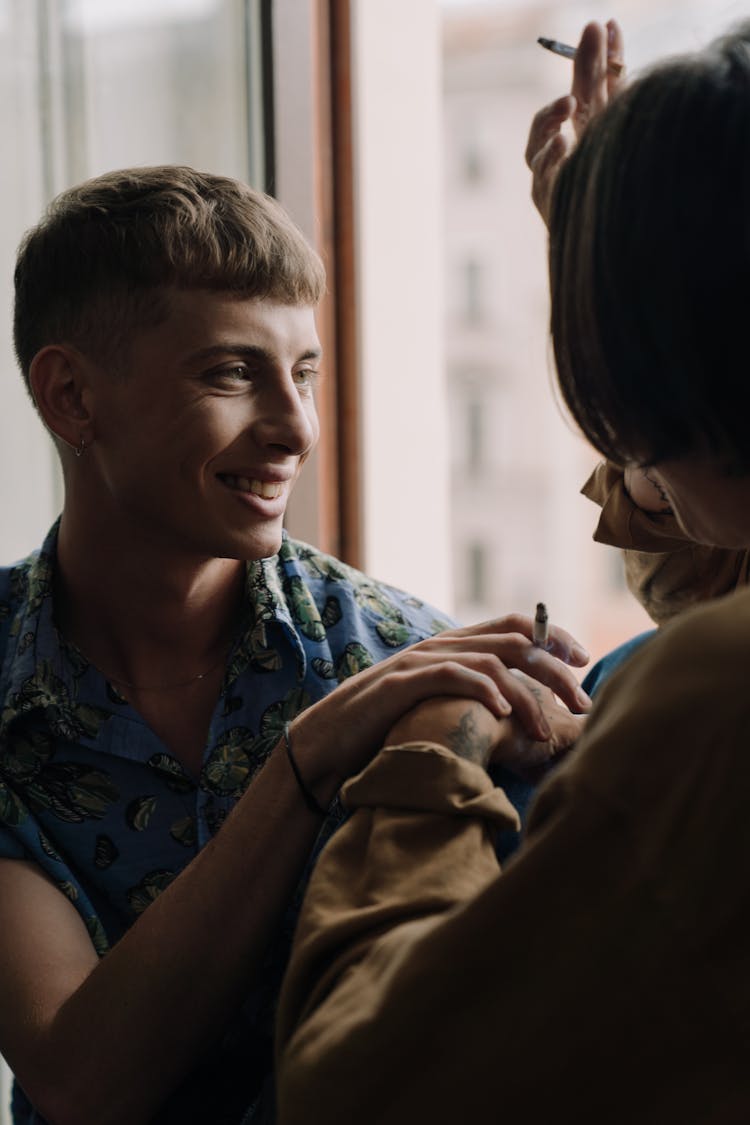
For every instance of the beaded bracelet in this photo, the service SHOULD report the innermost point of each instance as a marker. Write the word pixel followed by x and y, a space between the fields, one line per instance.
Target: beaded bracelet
pixel 307 796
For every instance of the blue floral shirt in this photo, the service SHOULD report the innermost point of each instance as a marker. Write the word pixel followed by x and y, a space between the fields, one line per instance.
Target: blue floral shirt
pixel 93 796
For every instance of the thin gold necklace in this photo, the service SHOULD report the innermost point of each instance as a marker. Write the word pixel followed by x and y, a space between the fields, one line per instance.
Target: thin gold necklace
pixel 170 686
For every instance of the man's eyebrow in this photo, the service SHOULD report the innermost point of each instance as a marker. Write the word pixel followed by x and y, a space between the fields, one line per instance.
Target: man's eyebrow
pixel 245 351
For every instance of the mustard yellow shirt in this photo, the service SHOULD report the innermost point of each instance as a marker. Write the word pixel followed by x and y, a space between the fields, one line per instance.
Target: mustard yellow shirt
pixel 602 978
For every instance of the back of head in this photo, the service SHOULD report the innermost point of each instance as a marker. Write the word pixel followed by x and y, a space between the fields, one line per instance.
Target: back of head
pixel 650 264
pixel 93 271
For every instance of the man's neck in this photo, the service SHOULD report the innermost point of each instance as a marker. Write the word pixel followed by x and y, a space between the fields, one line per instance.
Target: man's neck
pixel 143 615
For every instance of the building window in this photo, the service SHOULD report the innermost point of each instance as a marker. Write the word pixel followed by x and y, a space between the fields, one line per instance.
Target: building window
pixel 477 570
pixel 475 411
pixel 473 162
pixel 473 291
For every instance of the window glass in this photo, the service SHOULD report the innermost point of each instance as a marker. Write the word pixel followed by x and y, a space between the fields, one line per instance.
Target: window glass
pixel 92 85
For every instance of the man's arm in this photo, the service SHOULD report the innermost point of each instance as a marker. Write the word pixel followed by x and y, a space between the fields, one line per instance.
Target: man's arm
pixel 83 1035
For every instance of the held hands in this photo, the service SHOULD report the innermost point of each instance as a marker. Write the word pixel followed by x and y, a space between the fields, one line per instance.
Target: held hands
pixel 593 86
pixel 337 736
pixel 472 732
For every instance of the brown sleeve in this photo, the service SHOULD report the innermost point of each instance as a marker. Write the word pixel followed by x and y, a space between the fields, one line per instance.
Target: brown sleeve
pixel 425 986
pixel 665 570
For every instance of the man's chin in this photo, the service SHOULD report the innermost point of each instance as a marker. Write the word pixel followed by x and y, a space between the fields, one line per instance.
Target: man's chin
pixel 256 547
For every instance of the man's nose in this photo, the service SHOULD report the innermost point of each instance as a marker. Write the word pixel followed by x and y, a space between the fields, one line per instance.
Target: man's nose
pixel 286 419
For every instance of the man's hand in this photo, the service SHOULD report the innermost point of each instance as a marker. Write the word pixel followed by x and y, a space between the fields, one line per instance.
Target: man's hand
pixel 472 732
pixel 337 736
pixel 593 86
pixel 523 755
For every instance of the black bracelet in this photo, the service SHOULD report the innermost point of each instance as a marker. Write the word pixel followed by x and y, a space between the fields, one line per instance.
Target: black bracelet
pixel 309 799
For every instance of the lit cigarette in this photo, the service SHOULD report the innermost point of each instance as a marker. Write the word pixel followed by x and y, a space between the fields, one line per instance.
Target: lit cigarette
pixel 540 632
pixel 569 52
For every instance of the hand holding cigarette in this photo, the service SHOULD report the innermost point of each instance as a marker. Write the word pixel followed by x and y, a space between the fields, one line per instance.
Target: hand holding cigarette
pixel 540 634
pixel 567 52
pixel 597 73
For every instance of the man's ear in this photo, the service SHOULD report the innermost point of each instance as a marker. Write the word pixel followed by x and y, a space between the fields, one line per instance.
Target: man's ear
pixel 57 377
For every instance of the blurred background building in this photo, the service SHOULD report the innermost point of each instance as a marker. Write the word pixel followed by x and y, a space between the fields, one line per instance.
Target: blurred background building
pixel 520 530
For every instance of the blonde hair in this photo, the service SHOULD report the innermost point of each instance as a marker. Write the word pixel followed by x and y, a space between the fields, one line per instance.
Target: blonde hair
pixel 93 271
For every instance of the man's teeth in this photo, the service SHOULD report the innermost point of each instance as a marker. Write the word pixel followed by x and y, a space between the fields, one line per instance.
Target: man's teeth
pixel 269 490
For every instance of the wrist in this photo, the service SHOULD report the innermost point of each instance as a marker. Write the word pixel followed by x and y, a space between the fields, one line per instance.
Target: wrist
pixel 463 726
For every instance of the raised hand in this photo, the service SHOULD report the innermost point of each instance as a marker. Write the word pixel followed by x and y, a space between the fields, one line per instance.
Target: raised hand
pixel 594 83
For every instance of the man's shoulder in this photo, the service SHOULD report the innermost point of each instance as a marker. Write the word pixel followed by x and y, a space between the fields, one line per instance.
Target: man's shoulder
pixel 14 587
pixel 327 577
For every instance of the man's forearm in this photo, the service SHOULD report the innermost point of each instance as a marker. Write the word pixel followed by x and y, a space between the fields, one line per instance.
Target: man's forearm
pixel 125 1037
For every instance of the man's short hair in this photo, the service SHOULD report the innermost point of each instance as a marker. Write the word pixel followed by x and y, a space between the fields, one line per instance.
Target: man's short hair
pixel 93 271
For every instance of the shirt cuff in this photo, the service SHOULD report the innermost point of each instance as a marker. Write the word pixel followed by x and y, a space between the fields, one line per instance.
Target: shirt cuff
pixel 427 777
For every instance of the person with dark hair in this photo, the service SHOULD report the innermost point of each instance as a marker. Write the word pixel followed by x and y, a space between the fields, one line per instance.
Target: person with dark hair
pixel 603 975
pixel 183 688
pixel 665 569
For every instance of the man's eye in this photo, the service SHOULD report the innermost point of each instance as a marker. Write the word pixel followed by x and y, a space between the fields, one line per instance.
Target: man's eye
pixel 232 374
pixel 306 377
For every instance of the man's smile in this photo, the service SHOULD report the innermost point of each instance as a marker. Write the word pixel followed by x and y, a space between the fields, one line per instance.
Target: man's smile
pixel 267 489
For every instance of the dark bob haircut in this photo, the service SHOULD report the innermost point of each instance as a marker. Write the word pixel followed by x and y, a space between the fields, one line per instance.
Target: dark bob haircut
pixel 650 265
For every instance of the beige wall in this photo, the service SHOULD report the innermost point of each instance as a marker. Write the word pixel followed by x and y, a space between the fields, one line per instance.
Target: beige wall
pixel 398 177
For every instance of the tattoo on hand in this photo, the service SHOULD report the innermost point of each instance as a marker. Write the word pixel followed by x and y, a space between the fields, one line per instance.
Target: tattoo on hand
pixel 660 489
pixel 467 742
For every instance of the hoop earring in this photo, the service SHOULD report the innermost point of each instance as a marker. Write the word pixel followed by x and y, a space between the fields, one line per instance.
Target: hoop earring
pixel 80 448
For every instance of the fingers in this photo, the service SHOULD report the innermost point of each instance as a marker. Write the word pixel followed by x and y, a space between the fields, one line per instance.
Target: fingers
pixel 496 655
pixel 545 166
pixel 615 55
pixel 562 644
pixel 543 666
pixel 590 82
pixel 547 124
pixel 546 149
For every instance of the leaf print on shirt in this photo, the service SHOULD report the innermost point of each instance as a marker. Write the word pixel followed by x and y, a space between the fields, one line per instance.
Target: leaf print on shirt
pixel 149 889
pixel 272 725
pixel 71 791
pixel 374 598
pixel 324 668
pixel 105 852
pixel 44 691
pixel 12 811
pixel 97 935
pixel 25 643
pixel 171 772
pixel 227 770
pixel 304 610
pixel 332 612
pixel 439 626
pixel 355 658
pixel 184 832
pixel 253 651
pixel 39 582
pixel 70 890
pixel 139 812
pixel 393 633
pixel 49 851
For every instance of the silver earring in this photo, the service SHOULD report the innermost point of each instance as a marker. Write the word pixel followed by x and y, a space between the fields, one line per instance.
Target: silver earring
pixel 80 448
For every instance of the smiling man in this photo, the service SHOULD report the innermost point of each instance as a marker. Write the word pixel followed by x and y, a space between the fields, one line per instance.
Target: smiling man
pixel 171 743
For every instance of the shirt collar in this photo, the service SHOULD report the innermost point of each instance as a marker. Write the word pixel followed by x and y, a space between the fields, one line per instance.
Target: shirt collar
pixel 41 668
